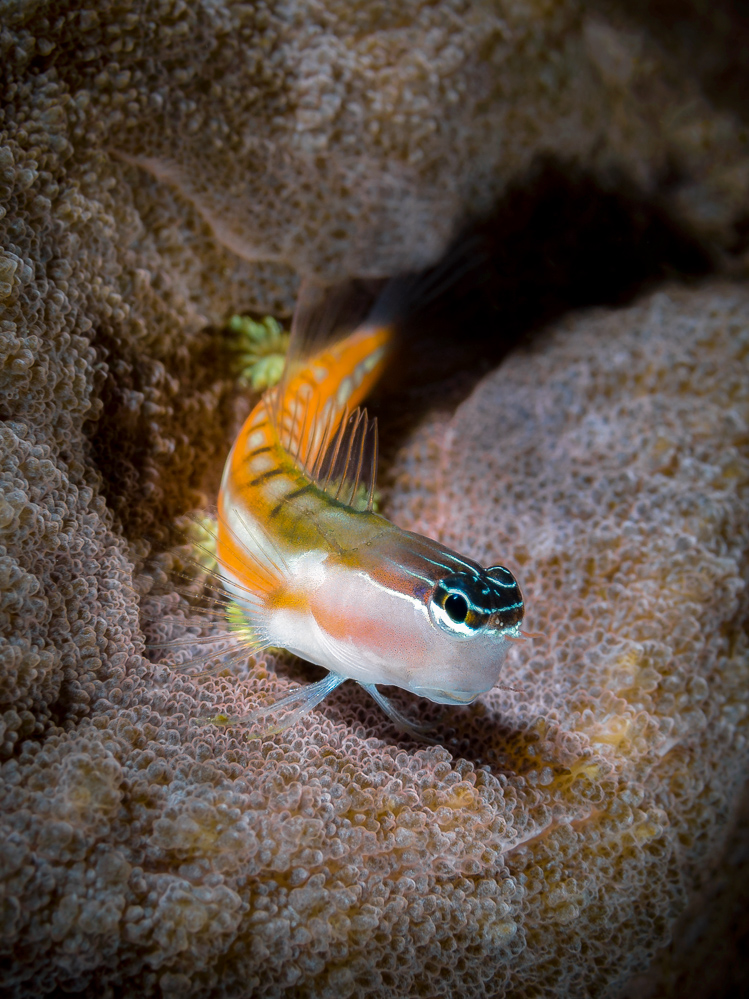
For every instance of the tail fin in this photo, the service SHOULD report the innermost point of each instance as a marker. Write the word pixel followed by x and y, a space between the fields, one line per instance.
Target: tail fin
pixel 316 408
pixel 342 339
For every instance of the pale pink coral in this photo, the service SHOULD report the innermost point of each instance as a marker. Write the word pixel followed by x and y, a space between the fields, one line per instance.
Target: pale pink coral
pixel 550 846
pixel 551 841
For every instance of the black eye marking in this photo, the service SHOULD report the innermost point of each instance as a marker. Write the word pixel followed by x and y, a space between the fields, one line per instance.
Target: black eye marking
pixel 508 600
pixel 467 603
pixel 501 575
pixel 457 607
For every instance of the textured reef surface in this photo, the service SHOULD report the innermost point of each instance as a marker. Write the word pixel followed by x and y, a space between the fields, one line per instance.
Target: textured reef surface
pixel 548 845
pixel 164 165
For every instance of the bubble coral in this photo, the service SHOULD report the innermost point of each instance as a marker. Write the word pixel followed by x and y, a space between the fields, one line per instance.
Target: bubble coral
pixel 550 845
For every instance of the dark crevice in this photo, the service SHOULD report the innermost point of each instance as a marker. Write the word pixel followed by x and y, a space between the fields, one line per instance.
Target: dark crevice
pixel 558 240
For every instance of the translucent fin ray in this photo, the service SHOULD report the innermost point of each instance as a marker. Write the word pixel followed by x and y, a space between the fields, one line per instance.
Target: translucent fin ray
pixel 258 564
pixel 217 597
pixel 246 599
pixel 336 448
pixel 298 703
pixel 401 721
pixel 329 372
pixel 324 314
pixel 214 639
pixel 224 659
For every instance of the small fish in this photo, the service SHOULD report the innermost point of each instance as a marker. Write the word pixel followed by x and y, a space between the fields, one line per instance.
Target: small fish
pixel 316 571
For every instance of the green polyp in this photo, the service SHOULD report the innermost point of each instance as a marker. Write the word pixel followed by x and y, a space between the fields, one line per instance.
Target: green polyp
pixel 260 350
pixel 201 533
pixel 235 619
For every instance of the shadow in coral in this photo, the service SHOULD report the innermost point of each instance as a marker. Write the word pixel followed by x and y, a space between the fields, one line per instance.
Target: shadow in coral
pixel 499 744
pixel 163 428
pixel 558 240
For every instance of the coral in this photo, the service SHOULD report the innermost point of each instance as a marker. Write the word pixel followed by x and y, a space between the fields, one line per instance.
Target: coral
pixel 260 349
pixel 706 954
pixel 549 845
pixel 617 493
pixel 164 166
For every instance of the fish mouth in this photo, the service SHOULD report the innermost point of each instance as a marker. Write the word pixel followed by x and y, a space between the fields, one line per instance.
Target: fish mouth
pixel 446 696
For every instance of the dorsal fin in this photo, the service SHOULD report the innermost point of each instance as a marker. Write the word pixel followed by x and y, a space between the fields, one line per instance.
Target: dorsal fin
pixel 316 408
pixel 325 315
pixel 341 339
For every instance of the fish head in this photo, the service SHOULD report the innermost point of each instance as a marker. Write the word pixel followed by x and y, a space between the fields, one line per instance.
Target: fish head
pixel 411 613
pixel 474 613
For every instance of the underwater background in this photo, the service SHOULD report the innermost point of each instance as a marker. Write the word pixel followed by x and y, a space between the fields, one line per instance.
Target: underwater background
pixel 582 416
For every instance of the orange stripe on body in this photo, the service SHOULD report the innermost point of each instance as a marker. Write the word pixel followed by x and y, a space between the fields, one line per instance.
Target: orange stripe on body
pixel 348 357
pixel 334 381
pixel 261 470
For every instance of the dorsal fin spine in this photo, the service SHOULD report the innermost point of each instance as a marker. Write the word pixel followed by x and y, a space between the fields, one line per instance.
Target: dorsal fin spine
pixel 323 446
pixel 338 441
pixel 300 435
pixel 352 425
pixel 311 441
pixel 375 456
pixel 318 419
pixel 355 486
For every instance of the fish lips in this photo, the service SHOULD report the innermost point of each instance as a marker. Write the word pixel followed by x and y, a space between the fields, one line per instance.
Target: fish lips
pixel 446 696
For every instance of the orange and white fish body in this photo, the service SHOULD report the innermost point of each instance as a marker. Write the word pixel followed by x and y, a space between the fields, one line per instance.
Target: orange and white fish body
pixel 317 572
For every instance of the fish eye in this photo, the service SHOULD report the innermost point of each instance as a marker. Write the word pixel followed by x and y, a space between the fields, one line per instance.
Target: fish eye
pixel 466 604
pixel 457 605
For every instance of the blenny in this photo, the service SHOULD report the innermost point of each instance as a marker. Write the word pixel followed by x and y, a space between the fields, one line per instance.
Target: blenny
pixel 311 566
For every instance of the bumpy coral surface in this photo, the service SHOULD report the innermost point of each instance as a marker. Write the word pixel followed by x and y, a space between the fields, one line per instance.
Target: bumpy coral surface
pixel 164 165
pixel 547 846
